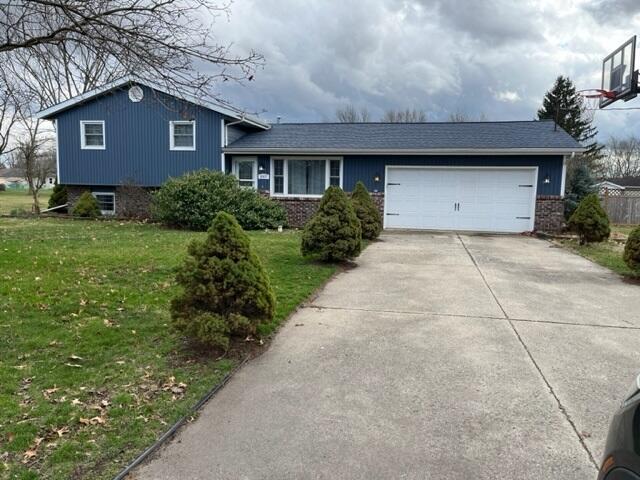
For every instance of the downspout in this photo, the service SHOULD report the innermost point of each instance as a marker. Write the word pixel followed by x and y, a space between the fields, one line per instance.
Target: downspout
pixel 226 139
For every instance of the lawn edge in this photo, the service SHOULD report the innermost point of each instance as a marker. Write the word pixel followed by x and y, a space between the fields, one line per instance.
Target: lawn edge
pixel 170 433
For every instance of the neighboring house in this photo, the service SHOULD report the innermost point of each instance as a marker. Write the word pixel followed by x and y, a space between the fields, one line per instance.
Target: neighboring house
pixel 14 178
pixel 484 176
pixel 620 184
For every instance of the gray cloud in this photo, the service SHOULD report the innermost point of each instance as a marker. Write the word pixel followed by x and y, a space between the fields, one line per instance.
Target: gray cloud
pixel 493 57
pixel 612 11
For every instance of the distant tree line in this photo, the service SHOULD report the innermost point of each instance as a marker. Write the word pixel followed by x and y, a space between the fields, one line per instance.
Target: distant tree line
pixel 351 114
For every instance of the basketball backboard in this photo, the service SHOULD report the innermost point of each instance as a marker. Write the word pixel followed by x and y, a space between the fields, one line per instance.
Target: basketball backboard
pixel 619 74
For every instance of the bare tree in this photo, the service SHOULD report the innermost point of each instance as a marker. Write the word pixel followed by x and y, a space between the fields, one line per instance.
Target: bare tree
pixel 404 116
pixel 350 114
pixel 461 117
pixel 9 113
pixel 622 157
pixel 158 40
pixel 37 162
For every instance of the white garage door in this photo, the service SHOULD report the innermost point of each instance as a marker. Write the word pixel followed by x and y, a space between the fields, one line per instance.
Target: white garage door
pixel 473 199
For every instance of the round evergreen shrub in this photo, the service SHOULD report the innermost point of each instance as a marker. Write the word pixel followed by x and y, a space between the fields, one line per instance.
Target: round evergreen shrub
pixel 334 232
pixel 366 211
pixel 632 249
pixel 87 206
pixel 226 291
pixel 579 185
pixel 58 197
pixel 193 200
pixel 590 221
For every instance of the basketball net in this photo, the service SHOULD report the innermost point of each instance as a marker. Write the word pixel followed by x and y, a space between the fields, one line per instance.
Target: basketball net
pixel 591 100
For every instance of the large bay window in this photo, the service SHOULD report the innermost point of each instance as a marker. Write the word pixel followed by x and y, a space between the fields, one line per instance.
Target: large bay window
pixel 304 176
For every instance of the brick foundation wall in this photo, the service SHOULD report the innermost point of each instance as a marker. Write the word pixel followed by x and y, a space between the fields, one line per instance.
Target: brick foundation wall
pixel 549 213
pixel 131 201
pixel 300 210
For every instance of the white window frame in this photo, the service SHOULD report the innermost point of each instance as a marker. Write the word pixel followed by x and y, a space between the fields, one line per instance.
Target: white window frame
pixel 235 171
pixel 286 160
pixel 83 144
pixel 172 146
pixel 113 195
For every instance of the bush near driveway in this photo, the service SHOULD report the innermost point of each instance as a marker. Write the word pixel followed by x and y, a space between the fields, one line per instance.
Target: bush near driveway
pixel 226 290
pixel 632 250
pixel 590 221
pixel 87 206
pixel 334 232
pixel 193 200
pixel 367 212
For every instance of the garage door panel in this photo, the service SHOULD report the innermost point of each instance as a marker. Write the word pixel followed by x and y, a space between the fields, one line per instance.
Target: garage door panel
pixel 491 199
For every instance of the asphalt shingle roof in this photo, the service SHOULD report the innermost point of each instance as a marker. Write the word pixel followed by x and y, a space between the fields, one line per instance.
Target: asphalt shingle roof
pixel 409 136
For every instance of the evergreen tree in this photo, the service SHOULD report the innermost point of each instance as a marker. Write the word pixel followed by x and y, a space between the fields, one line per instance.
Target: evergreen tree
pixel 632 250
pixel 579 185
pixel 334 232
pixel 58 197
pixel 226 291
pixel 590 221
pixel 87 206
pixel 565 106
pixel 367 212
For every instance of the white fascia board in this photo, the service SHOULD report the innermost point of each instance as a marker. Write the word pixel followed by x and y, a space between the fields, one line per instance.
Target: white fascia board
pixel 397 151
pixel 48 112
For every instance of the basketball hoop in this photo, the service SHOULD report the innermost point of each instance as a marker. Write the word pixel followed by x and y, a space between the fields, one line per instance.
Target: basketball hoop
pixel 592 99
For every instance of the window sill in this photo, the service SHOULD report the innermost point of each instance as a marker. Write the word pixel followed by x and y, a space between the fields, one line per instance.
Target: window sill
pixel 93 148
pixel 282 195
pixel 182 149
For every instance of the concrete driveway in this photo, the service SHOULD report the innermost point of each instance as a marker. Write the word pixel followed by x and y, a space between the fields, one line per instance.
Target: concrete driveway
pixel 440 356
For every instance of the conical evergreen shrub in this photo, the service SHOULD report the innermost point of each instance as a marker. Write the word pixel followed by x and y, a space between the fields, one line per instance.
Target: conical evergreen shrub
pixel 226 291
pixel 590 221
pixel 334 232
pixel 366 211
pixel 58 197
pixel 632 249
pixel 87 206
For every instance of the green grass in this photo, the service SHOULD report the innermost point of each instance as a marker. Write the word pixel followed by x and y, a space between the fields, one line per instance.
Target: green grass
pixel 609 253
pixel 21 199
pixel 90 370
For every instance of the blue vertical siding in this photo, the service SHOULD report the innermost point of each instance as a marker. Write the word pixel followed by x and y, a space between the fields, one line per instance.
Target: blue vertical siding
pixel 365 167
pixel 137 140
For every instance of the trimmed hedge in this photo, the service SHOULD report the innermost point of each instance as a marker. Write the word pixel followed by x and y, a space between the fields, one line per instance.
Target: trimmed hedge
pixel 226 291
pixel 193 200
pixel 366 211
pixel 632 249
pixel 334 232
pixel 590 221
pixel 87 206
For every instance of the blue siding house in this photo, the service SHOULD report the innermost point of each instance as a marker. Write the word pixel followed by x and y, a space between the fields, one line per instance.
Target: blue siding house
pixel 125 139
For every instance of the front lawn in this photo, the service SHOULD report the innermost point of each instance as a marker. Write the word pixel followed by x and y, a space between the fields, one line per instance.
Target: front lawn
pixel 21 200
pixel 609 253
pixel 90 370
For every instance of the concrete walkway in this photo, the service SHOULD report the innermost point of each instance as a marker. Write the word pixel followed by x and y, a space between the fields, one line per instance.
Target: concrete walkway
pixel 440 356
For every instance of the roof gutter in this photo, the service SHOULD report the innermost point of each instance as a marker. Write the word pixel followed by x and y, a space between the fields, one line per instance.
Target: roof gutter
pixel 421 151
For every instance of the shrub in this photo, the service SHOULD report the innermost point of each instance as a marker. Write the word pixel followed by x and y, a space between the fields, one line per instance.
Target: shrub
pixel 58 197
pixel 87 206
pixel 3 187
pixel 193 201
pixel 590 221
pixel 18 212
pixel 226 289
pixel 366 211
pixel 632 249
pixel 334 232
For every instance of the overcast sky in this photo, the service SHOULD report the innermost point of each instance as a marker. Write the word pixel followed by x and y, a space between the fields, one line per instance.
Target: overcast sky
pixel 481 57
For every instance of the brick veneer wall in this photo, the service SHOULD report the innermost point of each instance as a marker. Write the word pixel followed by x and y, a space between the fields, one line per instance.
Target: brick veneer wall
pixel 549 213
pixel 135 202
pixel 131 201
pixel 299 210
